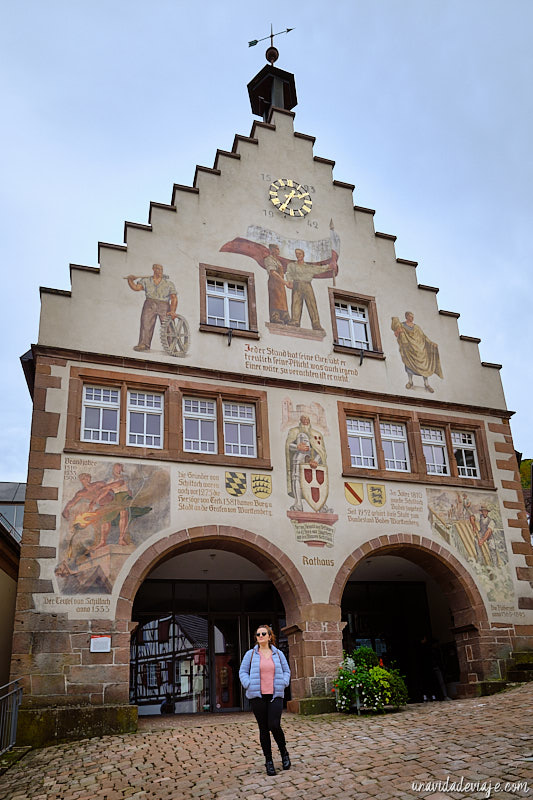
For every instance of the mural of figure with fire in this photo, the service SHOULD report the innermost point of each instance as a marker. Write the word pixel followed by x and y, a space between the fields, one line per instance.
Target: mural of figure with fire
pixel 304 445
pixel 102 523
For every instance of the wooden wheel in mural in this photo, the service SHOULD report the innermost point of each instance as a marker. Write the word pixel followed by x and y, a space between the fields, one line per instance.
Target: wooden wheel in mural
pixel 175 336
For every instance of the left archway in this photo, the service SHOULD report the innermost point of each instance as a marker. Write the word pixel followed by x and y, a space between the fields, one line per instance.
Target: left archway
pixel 275 565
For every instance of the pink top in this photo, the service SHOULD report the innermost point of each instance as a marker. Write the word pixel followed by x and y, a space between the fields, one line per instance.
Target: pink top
pixel 267 670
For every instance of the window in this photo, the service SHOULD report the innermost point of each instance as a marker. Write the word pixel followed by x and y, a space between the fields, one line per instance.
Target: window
pixel 394 442
pixel 199 425
pixel 354 320
pixel 353 329
pixel 435 452
pixel 145 419
pixel 100 416
pixel 411 445
pixel 464 450
pixel 361 442
pixel 227 304
pixel 239 429
pixel 166 419
pixel 227 300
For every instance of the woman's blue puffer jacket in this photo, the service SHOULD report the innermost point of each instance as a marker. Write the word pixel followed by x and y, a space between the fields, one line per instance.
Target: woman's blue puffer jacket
pixel 250 677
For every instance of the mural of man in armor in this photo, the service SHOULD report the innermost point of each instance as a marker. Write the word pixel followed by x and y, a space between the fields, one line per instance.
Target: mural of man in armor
pixel 304 445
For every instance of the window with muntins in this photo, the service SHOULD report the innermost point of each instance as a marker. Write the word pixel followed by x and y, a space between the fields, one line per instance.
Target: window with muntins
pixel 239 429
pixel 227 304
pixel 145 419
pixel 353 328
pixel 100 414
pixel 361 442
pixel 464 450
pixel 199 425
pixel 435 451
pixel 395 448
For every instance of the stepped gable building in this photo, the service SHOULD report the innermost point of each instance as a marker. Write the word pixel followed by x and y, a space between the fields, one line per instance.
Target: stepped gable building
pixel 250 412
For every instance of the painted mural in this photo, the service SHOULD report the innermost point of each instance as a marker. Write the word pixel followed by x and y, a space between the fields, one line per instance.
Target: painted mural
pixel 307 473
pixel 419 354
pixel 161 302
pixel 291 266
pixel 109 510
pixel 472 524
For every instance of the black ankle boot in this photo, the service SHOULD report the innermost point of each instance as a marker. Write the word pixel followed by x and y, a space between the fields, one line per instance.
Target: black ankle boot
pixel 269 764
pixel 285 760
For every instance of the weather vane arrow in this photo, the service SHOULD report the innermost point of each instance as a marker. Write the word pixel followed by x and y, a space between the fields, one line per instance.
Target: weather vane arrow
pixel 270 36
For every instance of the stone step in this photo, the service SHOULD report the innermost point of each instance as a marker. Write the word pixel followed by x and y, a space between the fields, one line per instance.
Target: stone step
pixel 486 688
pixel 520 675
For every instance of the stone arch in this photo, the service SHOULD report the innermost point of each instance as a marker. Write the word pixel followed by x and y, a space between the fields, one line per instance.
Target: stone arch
pixel 277 566
pixel 480 650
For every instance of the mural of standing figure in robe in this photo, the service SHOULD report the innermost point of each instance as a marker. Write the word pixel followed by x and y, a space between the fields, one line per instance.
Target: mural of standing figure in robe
pixel 419 354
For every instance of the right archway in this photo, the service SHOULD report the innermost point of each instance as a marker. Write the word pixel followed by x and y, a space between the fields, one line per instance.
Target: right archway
pixel 480 648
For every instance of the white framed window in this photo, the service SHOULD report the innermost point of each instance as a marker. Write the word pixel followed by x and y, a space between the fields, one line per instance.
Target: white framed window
pixel 353 326
pixel 361 442
pixel 464 450
pixel 100 414
pixel 145 419
pixel 395 449
pixel 227 303
pixel 239 429
pixel 199 425
pixel 435 452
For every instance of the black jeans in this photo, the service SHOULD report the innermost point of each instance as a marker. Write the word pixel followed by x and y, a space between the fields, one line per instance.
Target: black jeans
pixel 268 715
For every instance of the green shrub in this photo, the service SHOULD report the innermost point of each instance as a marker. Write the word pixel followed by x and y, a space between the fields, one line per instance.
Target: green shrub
pixel 362 674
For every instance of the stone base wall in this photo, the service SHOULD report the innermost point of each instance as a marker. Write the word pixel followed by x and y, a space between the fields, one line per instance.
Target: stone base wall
pixel 40 727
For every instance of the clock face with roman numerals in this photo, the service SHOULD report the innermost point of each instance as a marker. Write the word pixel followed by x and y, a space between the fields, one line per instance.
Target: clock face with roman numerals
pixel 290 197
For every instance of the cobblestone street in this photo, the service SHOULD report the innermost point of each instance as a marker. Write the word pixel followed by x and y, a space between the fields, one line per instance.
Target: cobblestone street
pixel 486 740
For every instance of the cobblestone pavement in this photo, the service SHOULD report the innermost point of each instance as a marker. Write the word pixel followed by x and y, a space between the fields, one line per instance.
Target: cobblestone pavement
pixel 487 740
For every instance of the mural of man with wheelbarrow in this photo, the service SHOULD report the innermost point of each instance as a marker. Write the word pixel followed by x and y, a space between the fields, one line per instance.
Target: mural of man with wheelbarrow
pixel 161 301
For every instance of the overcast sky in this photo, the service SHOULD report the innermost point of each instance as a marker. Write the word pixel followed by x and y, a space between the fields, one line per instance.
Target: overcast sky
pixel 425 105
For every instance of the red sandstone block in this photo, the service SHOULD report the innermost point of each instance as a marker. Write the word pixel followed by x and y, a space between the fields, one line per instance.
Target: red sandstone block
pixel 524 630
pixel 524 573
pixel 47 684
pixel 525 602
pixel 42 492
pixel 42 368
pixel 46 460
pixel 516 485
pixel 34 585
pixel 495 427
pixel 504 447
pixel 45 423
pixel 43 522
pixel 52 642
pixel 29 568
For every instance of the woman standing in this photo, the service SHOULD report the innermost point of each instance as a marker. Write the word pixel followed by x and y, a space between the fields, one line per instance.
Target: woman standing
pixel 264 673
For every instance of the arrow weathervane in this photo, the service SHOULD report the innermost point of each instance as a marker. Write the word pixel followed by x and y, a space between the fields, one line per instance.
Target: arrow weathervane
pixel 270 36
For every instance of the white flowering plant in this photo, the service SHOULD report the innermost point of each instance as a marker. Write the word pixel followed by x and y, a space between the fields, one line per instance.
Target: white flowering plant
pixel 363 676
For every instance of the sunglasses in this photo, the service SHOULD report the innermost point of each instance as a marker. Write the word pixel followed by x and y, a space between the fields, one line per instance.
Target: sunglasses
pixel 263 633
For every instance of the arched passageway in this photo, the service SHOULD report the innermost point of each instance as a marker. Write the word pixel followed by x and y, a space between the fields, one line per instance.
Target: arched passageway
pixel 404 588
pixel 194 604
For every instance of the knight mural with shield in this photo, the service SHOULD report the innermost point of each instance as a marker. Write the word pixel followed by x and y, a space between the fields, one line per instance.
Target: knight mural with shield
pixel 307 471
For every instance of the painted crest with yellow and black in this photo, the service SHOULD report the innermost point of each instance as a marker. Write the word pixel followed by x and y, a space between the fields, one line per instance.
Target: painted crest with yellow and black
pixel 235 483
pixel 262 486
